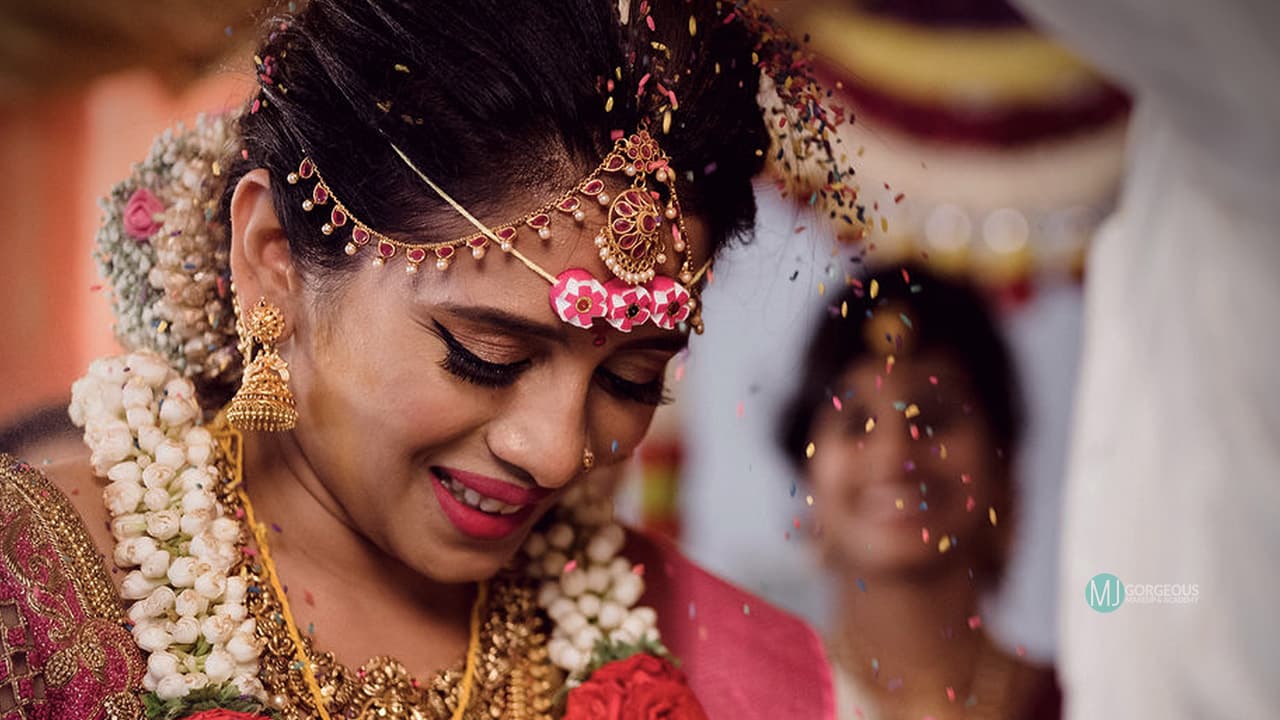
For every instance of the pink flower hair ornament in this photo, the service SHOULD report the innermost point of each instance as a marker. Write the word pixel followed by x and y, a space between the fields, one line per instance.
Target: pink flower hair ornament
pixel 643 230
pixel 578 298
pixel 629 305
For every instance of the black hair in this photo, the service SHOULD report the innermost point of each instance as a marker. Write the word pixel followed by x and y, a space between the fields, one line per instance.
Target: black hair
pixel 946 315
pixel 496 100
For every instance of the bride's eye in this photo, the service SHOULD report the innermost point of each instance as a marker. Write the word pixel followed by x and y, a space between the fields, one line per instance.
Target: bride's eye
pixel 652 392
pixel 467 366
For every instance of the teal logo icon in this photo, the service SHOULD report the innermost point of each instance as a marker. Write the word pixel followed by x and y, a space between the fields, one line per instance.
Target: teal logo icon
pixel 1104 593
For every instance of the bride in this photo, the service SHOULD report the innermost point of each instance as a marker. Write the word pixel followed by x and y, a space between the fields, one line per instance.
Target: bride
pixel 391 327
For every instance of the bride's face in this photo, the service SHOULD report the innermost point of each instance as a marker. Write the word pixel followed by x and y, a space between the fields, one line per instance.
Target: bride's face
pixel 447 411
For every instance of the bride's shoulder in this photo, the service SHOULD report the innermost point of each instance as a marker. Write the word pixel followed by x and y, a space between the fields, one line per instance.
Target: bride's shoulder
pixel 60 498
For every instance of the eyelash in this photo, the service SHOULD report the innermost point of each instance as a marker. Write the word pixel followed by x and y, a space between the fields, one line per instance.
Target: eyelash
pixel 467 366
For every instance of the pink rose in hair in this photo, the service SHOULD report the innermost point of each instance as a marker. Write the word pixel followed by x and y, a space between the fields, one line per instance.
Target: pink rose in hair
pixel 140 213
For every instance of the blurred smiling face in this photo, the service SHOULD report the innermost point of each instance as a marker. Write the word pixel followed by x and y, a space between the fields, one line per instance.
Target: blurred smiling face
pixel 447 411
pixel 908 453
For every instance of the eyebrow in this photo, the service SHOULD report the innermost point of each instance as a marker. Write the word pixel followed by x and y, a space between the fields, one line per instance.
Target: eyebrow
pixel 510 322
pixel 506 321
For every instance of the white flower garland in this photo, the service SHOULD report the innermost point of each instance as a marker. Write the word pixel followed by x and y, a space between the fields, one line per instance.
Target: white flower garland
pixel 141 423
pixel 178 544
pixel 588 590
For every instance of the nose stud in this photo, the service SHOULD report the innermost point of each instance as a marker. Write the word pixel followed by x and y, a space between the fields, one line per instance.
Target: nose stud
pixel 588 459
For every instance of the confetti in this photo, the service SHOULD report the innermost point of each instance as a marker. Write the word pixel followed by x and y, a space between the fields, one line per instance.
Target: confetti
pixel 944 544
pixel 899 504
pixel 924 535
pixel 308 598
pixel 951 694
pixel 835 401
pixel 911 411
pixel 693 25
pixel 965 479
pixel 875 289
pixel 844 309
pixel 613 447
pixel 809 450
pixel 822 288
pixel 741 409
pixel 401 67
pixel 969 504
pixel 871 424
pixel 991 515
pixel 933 379
pixel 638 570
pixel 862 585
pixel 746 609
pixel 809 500
pixel 975 622
pixel 570 566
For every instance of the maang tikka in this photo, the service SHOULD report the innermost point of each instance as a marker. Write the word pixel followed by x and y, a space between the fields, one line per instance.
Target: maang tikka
pixel 264 401
pixel 642 226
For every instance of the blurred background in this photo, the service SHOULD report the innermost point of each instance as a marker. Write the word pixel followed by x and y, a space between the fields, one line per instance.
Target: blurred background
pixel 985 152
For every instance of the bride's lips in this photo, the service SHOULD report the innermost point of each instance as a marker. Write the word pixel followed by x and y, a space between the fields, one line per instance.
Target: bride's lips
pixel 494 488
pixel 474 522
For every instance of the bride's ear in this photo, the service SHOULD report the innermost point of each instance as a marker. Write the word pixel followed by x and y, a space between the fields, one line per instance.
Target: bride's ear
pixel 261 264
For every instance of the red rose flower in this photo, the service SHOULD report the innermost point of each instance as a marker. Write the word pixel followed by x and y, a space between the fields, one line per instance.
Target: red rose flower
pixel 641 687
pixel 220 714
pixel 665 700
pixel 140 214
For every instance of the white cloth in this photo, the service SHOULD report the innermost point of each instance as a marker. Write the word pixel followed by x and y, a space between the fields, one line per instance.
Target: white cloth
pixel 1175 464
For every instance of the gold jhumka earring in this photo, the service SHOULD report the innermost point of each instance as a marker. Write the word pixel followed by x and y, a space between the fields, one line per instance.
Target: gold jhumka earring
pixel 264 401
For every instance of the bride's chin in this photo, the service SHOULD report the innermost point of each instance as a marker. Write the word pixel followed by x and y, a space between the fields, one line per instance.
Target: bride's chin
pixel 466 565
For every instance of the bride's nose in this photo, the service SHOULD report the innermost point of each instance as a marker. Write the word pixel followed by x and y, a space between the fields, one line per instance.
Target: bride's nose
pixel 543 433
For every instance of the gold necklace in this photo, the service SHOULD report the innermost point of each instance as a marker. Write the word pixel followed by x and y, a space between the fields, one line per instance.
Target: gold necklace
pixel 506 672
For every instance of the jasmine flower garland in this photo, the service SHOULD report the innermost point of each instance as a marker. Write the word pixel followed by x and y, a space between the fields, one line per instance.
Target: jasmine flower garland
pixel 163 248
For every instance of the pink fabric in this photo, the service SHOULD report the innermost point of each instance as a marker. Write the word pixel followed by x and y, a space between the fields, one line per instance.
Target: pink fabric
pixel 42 587
pixel 745 659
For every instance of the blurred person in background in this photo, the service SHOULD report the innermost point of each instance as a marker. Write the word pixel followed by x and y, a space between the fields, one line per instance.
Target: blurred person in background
pixel 1176 448
pixel 904 427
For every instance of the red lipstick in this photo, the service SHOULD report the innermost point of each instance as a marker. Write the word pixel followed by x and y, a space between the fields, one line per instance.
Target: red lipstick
pixel 476 523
